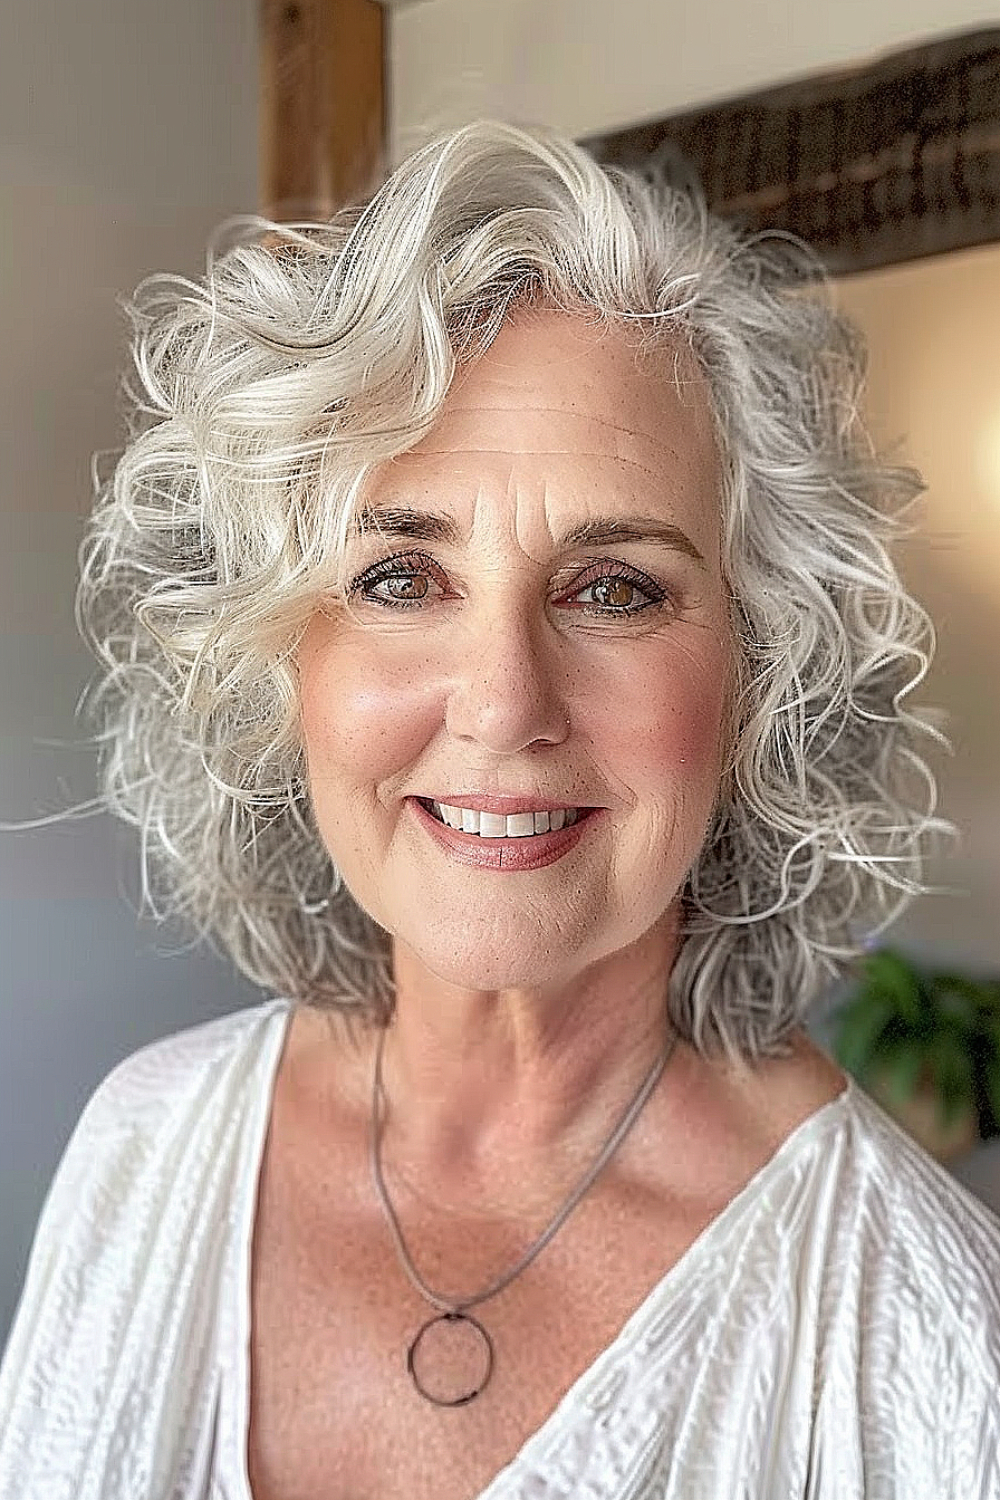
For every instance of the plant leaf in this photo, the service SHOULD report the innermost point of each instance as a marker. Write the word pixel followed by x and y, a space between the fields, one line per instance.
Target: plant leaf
pixel 903 1067
pixel 893 976
pixel 856 1029
pixel 989 1028
pixel 992 1085
pixel 951 1065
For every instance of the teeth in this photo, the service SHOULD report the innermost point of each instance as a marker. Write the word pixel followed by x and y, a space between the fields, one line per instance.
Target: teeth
pixel 495 826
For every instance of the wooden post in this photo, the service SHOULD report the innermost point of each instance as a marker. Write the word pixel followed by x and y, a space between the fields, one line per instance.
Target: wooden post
pixel 322 105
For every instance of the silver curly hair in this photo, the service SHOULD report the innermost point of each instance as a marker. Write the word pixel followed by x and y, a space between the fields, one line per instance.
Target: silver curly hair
pixel 263 396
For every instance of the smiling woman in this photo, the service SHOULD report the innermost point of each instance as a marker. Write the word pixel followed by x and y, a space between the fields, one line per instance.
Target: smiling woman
pixel 502 660
pixel 294 395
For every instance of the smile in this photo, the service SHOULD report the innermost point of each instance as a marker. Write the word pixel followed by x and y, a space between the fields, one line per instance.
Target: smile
pixel 506 852
pixel 495 826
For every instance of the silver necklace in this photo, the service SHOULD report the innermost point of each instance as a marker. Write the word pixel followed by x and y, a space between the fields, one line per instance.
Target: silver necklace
pixel 453 1315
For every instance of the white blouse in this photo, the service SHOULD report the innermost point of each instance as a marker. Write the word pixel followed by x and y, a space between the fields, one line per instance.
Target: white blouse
pixel 833 1333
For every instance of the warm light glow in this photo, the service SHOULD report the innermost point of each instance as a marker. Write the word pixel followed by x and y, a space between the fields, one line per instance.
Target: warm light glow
pixel 933 327
pixel 987 460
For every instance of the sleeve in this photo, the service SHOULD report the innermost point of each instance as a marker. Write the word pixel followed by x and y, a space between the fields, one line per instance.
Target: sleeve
pixel 934 1348
pixel 109 1347
pixel 39 1372
pixel 909 1401
pixel 964 1395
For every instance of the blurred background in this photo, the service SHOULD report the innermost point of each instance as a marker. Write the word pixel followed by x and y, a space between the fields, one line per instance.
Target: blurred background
pixel 128 130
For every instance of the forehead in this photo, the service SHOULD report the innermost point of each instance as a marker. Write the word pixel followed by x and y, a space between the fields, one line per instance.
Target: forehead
pixel 551 381
pixel 572 416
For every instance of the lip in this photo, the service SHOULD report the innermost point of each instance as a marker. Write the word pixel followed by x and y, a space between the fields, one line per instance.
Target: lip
pixel 503 805
pixel 506 855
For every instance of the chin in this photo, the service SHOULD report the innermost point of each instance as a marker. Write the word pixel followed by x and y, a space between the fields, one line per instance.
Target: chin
pixel 498 962
pixel 498 972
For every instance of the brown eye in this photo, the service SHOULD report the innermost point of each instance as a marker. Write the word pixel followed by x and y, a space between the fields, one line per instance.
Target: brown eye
pixel 402 581
pixel 406 586
pixel 616 593
pixel 615 589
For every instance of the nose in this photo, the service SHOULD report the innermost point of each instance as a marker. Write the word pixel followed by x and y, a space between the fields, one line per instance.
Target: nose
pixel 508 688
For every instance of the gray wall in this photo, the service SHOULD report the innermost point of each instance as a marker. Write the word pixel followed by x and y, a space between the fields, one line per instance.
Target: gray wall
pixel 127 132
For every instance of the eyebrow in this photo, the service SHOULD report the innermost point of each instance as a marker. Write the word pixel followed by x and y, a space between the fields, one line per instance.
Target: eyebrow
pixel 425 526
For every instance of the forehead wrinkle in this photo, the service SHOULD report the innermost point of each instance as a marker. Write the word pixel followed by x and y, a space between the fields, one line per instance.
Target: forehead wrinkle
pixel 521 410
pixel 635 434
pixel 611 458
pixel 518 482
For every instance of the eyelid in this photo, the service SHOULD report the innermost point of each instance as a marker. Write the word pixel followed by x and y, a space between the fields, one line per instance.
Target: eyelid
pixel 397 561
pixel 597 567
pixel 401 559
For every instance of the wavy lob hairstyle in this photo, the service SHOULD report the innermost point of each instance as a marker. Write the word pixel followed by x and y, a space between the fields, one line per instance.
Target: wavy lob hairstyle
pixel 261 399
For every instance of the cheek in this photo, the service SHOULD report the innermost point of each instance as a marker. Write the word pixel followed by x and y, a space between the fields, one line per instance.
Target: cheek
pixel 668 722
pixel 360 727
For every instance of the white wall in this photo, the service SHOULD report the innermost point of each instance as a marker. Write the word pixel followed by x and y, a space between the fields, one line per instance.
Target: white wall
pixel 933 330
pixel 127 131
pixel 589 65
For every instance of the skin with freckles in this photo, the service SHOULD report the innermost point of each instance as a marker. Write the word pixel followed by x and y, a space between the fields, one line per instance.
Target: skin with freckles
pixel 530 1003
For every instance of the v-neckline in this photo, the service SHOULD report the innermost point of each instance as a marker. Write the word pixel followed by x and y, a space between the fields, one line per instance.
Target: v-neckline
pixel 717 1229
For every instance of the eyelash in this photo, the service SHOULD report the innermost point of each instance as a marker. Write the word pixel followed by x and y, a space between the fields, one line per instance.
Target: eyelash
pixel 395 567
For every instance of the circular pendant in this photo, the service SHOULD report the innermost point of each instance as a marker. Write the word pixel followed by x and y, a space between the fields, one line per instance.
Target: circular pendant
pixel 449 1344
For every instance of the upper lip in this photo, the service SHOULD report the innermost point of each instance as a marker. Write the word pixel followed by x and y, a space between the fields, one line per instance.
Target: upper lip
pixel 477 802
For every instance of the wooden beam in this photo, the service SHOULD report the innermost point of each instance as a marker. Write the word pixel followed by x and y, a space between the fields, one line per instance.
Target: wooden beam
pixel 873 165
pixel 322 105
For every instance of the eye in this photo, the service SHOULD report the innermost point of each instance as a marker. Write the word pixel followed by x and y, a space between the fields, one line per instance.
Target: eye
pixel 387 572
pixel 615 586
pixel 616 583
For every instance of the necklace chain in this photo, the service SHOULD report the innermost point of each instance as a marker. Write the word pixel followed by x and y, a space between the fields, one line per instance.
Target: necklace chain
pixel 452 1305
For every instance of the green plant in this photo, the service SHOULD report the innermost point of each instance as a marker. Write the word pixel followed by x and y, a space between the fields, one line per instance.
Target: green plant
pixel 916 1027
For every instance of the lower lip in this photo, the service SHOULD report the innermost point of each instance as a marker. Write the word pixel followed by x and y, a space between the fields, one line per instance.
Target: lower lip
pixel 529 853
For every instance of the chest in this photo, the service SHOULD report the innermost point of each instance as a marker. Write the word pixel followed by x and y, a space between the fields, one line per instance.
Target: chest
pixel 335 1413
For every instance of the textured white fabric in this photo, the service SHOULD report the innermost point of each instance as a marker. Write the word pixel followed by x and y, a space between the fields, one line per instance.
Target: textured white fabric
pixel 834 1333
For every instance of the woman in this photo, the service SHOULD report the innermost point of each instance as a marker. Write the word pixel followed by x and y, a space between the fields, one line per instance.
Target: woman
pixel 503 664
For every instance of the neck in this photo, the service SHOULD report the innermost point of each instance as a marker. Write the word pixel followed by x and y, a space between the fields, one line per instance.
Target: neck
pixel 488 1089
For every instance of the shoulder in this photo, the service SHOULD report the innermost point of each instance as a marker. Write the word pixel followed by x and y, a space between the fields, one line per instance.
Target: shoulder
pixel 160 1116
pixel 901 1294
pixel 170 1075
pixel 913 1272
pixel 187 1080
pixel 119 1297
pixel 150 1122
pixel 905 1213
pixel 922 1216
pixel 185 1074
